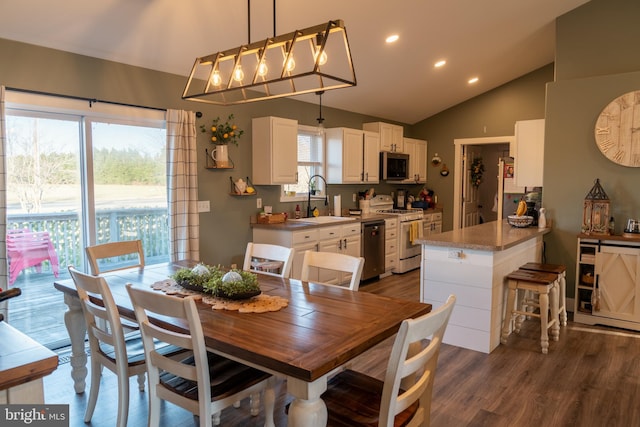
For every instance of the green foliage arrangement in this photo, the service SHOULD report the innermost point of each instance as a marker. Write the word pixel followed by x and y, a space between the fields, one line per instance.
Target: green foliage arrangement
pixel 224 133
pixel 477 169
pixel 211 282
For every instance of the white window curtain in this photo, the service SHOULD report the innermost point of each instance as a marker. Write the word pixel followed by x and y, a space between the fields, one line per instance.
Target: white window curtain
pixel 3 206
pixel 182 182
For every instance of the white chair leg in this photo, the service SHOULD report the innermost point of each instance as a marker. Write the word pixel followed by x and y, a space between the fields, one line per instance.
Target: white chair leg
pixel 123 400
pixel 141 378
pixel 269 402
pixel 154 408
pixel 254 404
pixel 93 393
pixel 215 419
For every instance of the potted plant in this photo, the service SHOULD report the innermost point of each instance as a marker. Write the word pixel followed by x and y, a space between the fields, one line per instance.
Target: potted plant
pixel 223 134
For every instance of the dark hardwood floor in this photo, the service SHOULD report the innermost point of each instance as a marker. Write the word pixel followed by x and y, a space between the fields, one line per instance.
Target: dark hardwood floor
pixel 591 377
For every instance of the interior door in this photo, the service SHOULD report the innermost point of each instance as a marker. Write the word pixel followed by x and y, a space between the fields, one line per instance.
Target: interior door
pixel 470 194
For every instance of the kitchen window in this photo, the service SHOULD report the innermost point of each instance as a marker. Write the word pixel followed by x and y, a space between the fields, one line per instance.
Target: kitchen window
pixel 310 162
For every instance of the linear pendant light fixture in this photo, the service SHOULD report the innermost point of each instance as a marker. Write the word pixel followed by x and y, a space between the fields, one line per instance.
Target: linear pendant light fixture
pixel 304 61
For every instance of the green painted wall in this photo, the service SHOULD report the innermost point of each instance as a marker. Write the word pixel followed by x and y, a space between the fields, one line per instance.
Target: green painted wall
pixel 225 230
pixel 597 61
pixel 491 114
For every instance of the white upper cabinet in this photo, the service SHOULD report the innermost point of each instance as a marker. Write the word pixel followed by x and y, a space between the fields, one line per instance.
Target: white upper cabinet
pixel 274 151
pixel 371 154
pixel 417 151
pixel 352 156
pixel 529 153
pixel 390 135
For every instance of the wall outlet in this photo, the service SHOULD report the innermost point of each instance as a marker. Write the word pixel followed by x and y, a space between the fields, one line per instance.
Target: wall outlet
pixel 204 206
pixel 259 203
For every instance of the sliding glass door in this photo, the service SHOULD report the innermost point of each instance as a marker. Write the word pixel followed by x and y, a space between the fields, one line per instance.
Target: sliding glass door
pixel 75 180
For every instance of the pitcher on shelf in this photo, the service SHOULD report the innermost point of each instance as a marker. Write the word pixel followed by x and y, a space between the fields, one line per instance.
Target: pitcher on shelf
pixel 220 155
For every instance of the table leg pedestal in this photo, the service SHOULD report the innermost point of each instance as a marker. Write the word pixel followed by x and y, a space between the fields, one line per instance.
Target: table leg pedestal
pixel 77 328
pixel 307 409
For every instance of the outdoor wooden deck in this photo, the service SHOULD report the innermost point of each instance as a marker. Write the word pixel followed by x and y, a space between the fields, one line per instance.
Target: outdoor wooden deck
pixel 39 311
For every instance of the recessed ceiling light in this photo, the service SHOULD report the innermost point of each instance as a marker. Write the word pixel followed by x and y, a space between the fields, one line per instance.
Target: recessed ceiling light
pixel 440 63
pixel 392 38
pixel 473 80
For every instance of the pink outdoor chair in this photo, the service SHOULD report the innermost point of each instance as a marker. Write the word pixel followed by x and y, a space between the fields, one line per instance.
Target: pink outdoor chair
pixel 26 249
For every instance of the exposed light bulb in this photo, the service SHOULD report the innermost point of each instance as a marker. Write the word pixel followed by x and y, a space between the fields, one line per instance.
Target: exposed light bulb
pixel 216 80
pixel 291 64
pixel 473 80
pixel 263 69
pixel 323 57
pixel 238 74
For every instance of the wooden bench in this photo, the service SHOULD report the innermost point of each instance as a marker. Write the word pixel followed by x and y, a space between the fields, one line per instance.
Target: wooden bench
pixel 23 364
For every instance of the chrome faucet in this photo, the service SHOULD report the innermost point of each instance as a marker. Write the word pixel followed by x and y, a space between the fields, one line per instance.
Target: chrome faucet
pixel 326 193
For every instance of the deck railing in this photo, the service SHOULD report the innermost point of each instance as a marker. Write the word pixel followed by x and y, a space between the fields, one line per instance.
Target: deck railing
pixel 149 225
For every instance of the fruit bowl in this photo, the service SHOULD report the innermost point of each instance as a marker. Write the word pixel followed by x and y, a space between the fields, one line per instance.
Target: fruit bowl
pixel 520 221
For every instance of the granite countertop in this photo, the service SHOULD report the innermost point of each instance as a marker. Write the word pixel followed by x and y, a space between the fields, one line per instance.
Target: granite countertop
pixel 491 236
pixel 294 225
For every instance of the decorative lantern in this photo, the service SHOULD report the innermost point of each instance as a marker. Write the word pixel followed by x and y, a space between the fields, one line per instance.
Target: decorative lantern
pixel 595 214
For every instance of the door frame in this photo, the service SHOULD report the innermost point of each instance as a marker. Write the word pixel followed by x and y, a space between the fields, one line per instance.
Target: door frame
pixel 458 168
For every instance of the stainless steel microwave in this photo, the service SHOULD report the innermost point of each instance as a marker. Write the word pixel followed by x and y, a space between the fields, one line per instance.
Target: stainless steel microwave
pixel 394 166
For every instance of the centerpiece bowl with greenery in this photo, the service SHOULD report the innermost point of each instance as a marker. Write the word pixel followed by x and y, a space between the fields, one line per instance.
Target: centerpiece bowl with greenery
pixel 233 284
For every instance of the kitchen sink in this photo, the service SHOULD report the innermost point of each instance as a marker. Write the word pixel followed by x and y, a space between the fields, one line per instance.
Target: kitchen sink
pixel 324 219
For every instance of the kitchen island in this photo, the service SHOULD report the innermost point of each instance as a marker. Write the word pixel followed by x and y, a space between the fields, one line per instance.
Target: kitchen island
pixel 472 263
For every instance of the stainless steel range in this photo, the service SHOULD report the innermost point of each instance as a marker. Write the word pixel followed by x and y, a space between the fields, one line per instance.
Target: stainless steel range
pixel 410 225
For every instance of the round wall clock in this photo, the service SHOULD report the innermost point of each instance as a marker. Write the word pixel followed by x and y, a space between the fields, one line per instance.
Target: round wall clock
pixel 617 130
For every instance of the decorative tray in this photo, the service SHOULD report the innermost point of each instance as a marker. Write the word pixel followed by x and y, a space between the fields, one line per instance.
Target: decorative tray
pixel 233 284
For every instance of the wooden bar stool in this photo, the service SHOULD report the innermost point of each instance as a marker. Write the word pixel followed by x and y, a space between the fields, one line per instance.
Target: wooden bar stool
pixel 560 271
pixel 545 285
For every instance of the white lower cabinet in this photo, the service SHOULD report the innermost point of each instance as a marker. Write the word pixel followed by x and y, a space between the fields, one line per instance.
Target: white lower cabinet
pixel 432 223
pixel 390 245
pixel 345 239
pixel 301 241
pixel 608 283
pixel 336 238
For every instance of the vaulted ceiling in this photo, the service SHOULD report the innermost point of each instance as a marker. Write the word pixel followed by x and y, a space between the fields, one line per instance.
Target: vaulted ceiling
pixel 493 40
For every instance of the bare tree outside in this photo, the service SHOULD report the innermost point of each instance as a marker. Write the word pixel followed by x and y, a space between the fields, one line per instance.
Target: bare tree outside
pixel 34 163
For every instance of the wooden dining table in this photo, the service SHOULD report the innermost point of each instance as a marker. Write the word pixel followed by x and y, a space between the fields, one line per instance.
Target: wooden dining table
pixel 321 329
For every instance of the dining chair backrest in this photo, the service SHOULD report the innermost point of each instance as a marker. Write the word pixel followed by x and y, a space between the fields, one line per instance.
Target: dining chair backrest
pixel 188 383
pixel 264 257
pixel 409 376
pixel 107 341
pixel 404 397
pixel 115 256
pixel 333 261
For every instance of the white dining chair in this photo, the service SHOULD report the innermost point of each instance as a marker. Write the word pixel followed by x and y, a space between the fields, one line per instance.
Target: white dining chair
pixel 335 262
pixel 404 397
pixel 264 257
pixel 110 347
pixel 204 384
pixel 129 253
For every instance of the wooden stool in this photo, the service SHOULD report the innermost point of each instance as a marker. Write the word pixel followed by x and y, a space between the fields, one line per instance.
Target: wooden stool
pixel 560 270
pixel 545 285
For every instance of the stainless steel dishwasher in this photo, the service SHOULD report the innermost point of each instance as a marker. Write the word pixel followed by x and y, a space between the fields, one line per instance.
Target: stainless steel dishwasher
pixel 373 240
